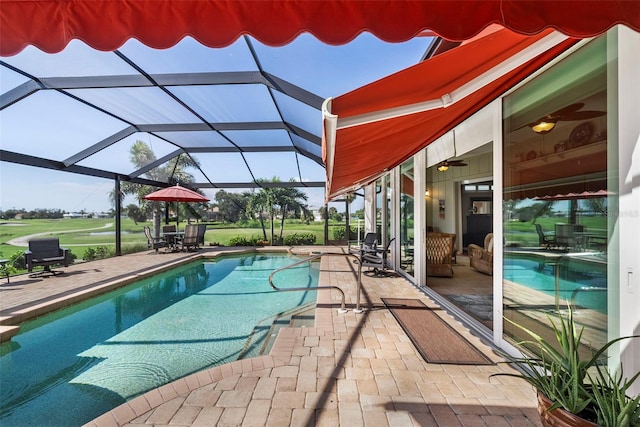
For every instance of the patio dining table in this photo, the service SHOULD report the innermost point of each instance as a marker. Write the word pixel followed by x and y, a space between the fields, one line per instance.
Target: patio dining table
pixel 173 238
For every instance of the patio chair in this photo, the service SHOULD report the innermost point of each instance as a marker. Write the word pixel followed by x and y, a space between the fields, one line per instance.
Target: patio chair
pixel 482 258
pixel 154 242
pixel 376 259
pixel 367 245
pixel 543 239
pixel 407 258
pixel 190 239
pixel 45 253
pixel 202 229
pixel 439 252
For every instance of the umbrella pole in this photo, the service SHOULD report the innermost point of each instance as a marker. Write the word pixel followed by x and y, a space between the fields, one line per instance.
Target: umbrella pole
pixel 177 217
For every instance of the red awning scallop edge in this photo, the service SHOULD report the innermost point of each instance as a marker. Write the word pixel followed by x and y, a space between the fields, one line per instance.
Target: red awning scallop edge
pixel 107 24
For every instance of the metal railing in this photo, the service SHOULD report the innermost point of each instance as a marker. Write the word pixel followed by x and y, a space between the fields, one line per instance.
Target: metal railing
pixel 312 258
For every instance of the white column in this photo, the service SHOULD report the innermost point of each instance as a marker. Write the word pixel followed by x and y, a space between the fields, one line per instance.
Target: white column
pixel 420 218
pixel 624 90
pixel 498 232
pixel 370 208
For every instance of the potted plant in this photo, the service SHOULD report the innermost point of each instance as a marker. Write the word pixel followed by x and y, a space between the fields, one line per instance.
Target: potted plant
pixel 572 390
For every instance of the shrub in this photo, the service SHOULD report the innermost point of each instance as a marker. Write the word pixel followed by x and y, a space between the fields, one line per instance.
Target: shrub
pixel 7 270
pixel 17 260
pixel 101 252
pixel 133 248
pixel 300 239
pixel 339 233
pixel 247 241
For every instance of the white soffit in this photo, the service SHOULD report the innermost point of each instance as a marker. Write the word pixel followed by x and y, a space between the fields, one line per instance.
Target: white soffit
pixel 476 131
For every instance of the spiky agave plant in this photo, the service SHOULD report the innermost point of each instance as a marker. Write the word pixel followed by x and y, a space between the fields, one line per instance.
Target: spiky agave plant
pixel 560 373
pixel 612 406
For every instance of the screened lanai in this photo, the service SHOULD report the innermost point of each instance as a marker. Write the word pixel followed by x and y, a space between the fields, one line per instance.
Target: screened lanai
pixel 246 113
pixel 244 109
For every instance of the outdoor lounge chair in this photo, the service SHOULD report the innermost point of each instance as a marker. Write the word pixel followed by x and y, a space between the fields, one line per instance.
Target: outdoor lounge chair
pixel 45 253
pixel 482 258
pixel 439 252
pixel 376 259
pixel 543 239
pixel 154 242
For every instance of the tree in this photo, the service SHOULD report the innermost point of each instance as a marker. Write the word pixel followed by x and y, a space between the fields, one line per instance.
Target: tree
pixel 274 202
pixel 232 206
pixel 597 205
pixel 290 201
pixel 135 213
pixel 174 171
pixel 260 203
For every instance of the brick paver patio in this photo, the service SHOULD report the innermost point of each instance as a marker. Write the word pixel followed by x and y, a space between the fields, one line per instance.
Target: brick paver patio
pixel 353 369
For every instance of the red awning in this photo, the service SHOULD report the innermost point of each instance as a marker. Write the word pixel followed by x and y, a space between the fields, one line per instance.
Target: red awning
pixel 575 196
pixel 106 24
pixel 375 128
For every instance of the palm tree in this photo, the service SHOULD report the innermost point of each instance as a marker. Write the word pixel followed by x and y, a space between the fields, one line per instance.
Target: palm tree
pixel 174 171
pixel 276 201
pixel 258 203
pixel 289 199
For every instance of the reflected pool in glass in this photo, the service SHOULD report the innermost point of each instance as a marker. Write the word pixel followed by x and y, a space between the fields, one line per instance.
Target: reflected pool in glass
pixel 581 279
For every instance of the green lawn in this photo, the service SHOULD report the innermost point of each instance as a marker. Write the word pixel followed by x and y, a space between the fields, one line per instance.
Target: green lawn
pixel 524 233
pixel 78 234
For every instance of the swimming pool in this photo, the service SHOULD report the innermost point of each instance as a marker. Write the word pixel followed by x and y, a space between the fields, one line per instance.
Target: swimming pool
pixel 581 279
pixel 71 366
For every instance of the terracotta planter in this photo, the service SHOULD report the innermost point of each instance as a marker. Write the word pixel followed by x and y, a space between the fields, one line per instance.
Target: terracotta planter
pixel 559 417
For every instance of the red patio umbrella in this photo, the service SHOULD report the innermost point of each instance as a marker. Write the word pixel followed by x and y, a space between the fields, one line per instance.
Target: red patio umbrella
pixel 176 194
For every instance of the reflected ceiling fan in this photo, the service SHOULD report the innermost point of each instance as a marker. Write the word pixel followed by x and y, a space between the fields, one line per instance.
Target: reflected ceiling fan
pixel 444 165
pixel 569 113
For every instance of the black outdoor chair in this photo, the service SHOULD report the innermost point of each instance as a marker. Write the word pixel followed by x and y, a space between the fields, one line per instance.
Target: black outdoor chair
pixel 367 244
pixel 45 253
pixel 376 259
pixel 543 239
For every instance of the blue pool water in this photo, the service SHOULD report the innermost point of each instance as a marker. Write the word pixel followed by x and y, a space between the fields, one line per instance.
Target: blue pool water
pixel 581 280
pixel 67 368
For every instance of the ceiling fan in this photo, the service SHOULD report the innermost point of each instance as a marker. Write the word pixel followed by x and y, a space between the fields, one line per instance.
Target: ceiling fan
pixel 444 165
pixel 569 113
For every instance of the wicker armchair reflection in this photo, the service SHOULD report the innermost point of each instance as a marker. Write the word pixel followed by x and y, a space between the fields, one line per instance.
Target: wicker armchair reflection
pixel 439 251
pixel 482 258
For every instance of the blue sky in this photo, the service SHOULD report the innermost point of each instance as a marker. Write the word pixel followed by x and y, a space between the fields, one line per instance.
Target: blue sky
pixel 47 124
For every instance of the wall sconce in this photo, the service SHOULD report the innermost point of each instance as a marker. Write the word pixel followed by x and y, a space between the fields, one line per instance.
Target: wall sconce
pixel 542 126
pixel 426 194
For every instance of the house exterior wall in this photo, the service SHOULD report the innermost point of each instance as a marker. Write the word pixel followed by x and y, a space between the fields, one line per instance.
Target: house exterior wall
pixel 628 101
pixel 623 45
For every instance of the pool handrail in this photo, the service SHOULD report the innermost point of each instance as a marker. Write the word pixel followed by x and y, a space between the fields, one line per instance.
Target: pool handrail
pixel 576 291
pixel 312 258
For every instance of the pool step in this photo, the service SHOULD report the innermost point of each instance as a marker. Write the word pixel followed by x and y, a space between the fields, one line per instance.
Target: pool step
pixel 302 316
pixel 6 332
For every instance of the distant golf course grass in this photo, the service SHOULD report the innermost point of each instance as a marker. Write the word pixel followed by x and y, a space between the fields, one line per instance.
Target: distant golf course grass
pixel 79 234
